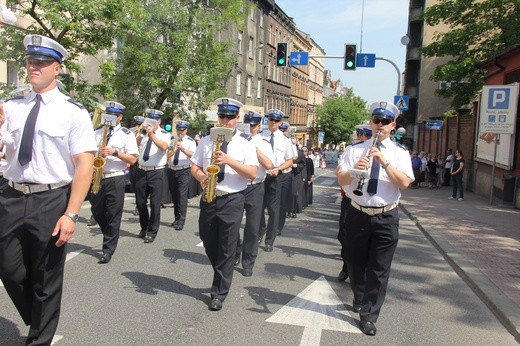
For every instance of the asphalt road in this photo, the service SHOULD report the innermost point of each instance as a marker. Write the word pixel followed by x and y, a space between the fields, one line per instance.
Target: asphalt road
pixel 157 294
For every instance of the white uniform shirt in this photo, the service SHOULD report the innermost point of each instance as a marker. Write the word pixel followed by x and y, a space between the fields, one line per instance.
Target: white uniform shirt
pixel 282 146
pixel 265 148
pixel 449 162
pixel 240 149
pixel 188 143
pixel 123 140
pixel 157 156
pixel 63 129
pixel 387 193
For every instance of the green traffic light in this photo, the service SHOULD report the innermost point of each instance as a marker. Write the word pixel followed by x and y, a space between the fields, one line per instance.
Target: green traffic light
pixel 281 61
pixel 350 64
pixel 167 127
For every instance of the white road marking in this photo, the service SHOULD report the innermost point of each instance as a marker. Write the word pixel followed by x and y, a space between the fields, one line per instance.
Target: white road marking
pixel 201 244
pixel 56 338
pixel 317 307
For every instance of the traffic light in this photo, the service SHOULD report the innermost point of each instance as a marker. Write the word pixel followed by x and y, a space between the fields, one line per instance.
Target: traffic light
pixel 399 134
pixel 281 54
pixel 350 57
pixel 168 124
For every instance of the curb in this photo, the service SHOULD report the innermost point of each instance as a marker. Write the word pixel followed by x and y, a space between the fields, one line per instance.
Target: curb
pixel 505 310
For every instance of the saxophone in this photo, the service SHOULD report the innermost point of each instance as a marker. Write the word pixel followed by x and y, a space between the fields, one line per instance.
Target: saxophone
pixel 99 163
pixel 210 188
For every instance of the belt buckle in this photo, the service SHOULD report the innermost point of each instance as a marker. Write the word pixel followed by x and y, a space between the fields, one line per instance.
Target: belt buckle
pixel 26 189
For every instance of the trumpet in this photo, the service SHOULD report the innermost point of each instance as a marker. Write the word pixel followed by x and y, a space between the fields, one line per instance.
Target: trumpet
pixel 172 148
pixel 363 174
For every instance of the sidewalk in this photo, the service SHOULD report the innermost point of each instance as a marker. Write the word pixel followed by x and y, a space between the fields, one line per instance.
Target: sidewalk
pixel 479 240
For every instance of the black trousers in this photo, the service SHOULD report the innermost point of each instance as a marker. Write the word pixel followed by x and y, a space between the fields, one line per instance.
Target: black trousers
pixel 179 183
pixel 31 266
pixel 219 226
pixel 272 199
pixel 149 184
pixel 285 182
pixel 342 233
pixel 253 205
pixel 107 208
pixel 4 183
pixel 371 243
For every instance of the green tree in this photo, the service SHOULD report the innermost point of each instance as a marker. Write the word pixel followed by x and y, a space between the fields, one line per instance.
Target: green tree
pixel 174 51
pixel 338 117
pixel 478 30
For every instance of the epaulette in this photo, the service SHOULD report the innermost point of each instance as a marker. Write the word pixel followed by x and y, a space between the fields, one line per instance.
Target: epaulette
pixel 190 139
pixel 76 103
pixel 402 146
pixel 125 130
pixel 357 143
pixel 164 131
pixel 246 136
pixel 15 98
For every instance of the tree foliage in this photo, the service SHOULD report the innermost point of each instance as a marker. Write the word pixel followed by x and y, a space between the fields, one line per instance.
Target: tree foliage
pixel 338 117
pixel 478 30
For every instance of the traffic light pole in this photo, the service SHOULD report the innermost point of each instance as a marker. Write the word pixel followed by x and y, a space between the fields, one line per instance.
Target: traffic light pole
pixel 398 74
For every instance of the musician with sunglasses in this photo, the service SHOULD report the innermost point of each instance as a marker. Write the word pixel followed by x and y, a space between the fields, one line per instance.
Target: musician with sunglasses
pixel 220 220
pixel 372 232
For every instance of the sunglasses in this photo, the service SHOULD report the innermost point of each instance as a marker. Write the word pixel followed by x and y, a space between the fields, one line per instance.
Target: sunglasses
pixel 229 116
pixel 383 121
pixel 275 120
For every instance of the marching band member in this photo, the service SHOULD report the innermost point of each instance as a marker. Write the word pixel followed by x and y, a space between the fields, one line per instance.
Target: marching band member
pixel 254 196
pixel 49 167
pixel 153 142
pixel 373 218
pixel 179 173
pixel 219 221
pixel 107 205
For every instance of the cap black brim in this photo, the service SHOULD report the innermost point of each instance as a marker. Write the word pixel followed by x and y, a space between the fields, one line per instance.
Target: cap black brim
pixel 40 57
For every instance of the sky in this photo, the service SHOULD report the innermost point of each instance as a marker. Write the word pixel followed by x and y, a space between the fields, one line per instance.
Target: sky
pixel 333 23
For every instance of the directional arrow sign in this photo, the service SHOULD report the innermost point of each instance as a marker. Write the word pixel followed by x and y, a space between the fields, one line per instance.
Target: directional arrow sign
pixel 365 60
pixel 299 58
pixel 317 307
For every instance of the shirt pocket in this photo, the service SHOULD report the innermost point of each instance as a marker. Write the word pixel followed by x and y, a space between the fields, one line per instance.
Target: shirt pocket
pixel 51 139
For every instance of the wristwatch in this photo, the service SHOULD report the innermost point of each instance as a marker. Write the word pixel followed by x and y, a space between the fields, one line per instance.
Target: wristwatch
pixel 384 165
pixel 73 216
pixel 116 153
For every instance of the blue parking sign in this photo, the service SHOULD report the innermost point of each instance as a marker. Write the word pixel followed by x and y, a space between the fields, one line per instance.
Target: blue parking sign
pixel 499 98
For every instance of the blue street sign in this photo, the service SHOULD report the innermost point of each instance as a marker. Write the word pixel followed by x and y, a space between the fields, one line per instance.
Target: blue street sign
pixel 365 60
pixel 401 102
pixel 433 124
pixel 299 58
pixel 321 136
pixel 264 121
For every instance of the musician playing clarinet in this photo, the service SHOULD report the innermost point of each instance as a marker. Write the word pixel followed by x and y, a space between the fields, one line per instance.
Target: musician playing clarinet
pixel 372 231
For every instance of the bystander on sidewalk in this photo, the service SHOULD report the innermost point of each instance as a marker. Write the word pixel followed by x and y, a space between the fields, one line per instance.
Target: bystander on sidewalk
pixel 480 241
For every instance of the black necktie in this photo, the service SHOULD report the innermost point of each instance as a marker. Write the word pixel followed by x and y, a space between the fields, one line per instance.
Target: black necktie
pixel 110 133
pixel 272 141
pixel 176 156
pixel 374 176
pixel 26 144
pixel 146 154
pixel 220 175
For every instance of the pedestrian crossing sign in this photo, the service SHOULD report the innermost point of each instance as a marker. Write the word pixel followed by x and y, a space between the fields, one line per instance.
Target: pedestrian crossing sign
pixel 401 102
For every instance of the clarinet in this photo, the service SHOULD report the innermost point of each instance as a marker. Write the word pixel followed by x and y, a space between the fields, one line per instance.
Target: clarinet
pixel 359 189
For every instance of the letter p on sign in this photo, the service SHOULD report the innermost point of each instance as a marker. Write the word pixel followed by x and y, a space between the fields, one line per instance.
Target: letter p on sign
pixel 498 98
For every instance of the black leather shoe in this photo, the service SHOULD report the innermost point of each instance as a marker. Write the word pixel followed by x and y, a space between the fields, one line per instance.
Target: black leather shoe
pixel 368 328
pixel 247 272
pixel 237 258
pixel 142 234
pixel 356 306
pixel 179 227
pixel 175 223
pixel 105 258
pixel 260 238
pixel 149 239
pixel 215 305
pixel 136 212
pixel 268 248
pixel 342 276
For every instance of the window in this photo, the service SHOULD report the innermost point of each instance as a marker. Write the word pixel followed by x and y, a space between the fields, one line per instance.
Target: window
pixel 239 43
pixel 251 50
pixel 249 85
pixel 261 20
pixel 239 79
pixel 260 53
pixel 259 88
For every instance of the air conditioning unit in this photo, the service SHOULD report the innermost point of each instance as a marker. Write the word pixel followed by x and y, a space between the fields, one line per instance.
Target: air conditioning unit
pixel 443 85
